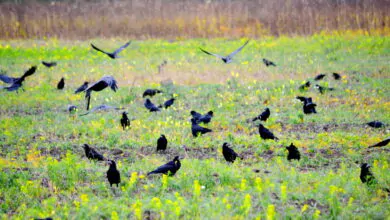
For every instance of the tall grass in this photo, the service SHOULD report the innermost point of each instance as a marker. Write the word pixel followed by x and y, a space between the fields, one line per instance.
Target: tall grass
pixel 189 18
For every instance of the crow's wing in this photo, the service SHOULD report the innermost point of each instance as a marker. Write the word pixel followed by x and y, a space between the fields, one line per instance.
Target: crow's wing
pixel 238 50
pixel 213 54
pixel 121 48
pixel 7 79
pixel 94 47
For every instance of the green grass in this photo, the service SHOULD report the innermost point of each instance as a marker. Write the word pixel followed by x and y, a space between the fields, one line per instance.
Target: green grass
pixel 45 173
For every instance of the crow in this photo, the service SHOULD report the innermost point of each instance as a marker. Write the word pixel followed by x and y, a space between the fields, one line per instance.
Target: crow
pixel 125 122
pixel 293 152
pixel 268 62
pixel 101 108
pixel 264 115
pixel 169 102
pixel 323 89
pixel 151 92
pixel 150 106
pixel 49 64
pixel 229 154
pixel 382 143
pixel 61 84
pixel 92 154
pixel 365 174
pixel 198 130
pixel 202 118
pixel 305 86
pixel 114 54
pixel 82 88
pixel 16 83
pixel 228 58
pixel 113 175
pixel 308 105
pixel 169 168
pixel 336 76
pixel 376 124
pixel 162 143
pixel 104 82
pixel 319 77
pixel 265 133
pixel 48 218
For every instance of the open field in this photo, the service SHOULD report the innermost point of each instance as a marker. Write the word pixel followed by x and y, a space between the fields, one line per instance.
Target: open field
pixel 45 171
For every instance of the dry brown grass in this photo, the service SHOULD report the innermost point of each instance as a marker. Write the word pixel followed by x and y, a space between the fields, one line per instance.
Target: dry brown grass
pixel 189 18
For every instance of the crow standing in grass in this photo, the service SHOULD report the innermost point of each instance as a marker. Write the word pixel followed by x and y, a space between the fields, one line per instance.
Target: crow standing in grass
pixel 114 54
pixel 264 115
pixel 198 130
pixel 293 152
pixel 82 88
pixel 268 62
pixel 72 109
pixel 229 154
pixel 305 86
pixel 199 118
pixel 228 58
pixel 151 92
pixel 104 82
pixel 169 168
pixel 382 143
pixel 125 121
pixel 113 175
pixel 16 83
pixel 323 89
pixel 308 105
pixel 169 102
pixel 162 143
pixel 365 174
pixel 319 77
pixel 49 64
pixel 336 76
pixel 92 154
pixel 150 106
pixel 266 134
pixel 61 84
pixel 376 124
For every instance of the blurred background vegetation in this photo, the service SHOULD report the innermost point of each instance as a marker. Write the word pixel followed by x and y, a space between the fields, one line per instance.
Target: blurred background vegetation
pixel 168 19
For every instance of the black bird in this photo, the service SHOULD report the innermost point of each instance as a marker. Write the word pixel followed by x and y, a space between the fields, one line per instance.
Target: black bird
pixel 305 86
pixel 72 109
pixel 322 89
pixel 169 168
pixel 16 83
pixel 104 82
pixel 198 130
pixel 365 174
pixel 169 102
pixel 101 108
pixel 376 124
pixel 265 133
pixel 264 115
pixel 382 143
pixel 125 121
pixel 228 58
pixel 92 154
pixel 150 106
pixel 61 84
pixel 49 64
pixel 293 152
pixel 114 54
pixel 229 154
pixel 48 218
pixel 319 77
pixel 308 105
pixel 113 175
pixel 336 76
pixel 162 143
pixel 268 62
pixel 151 92
pixel 82 88
pixel 202 118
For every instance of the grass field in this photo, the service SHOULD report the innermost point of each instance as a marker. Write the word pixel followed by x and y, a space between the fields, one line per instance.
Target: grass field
pixel 45 172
